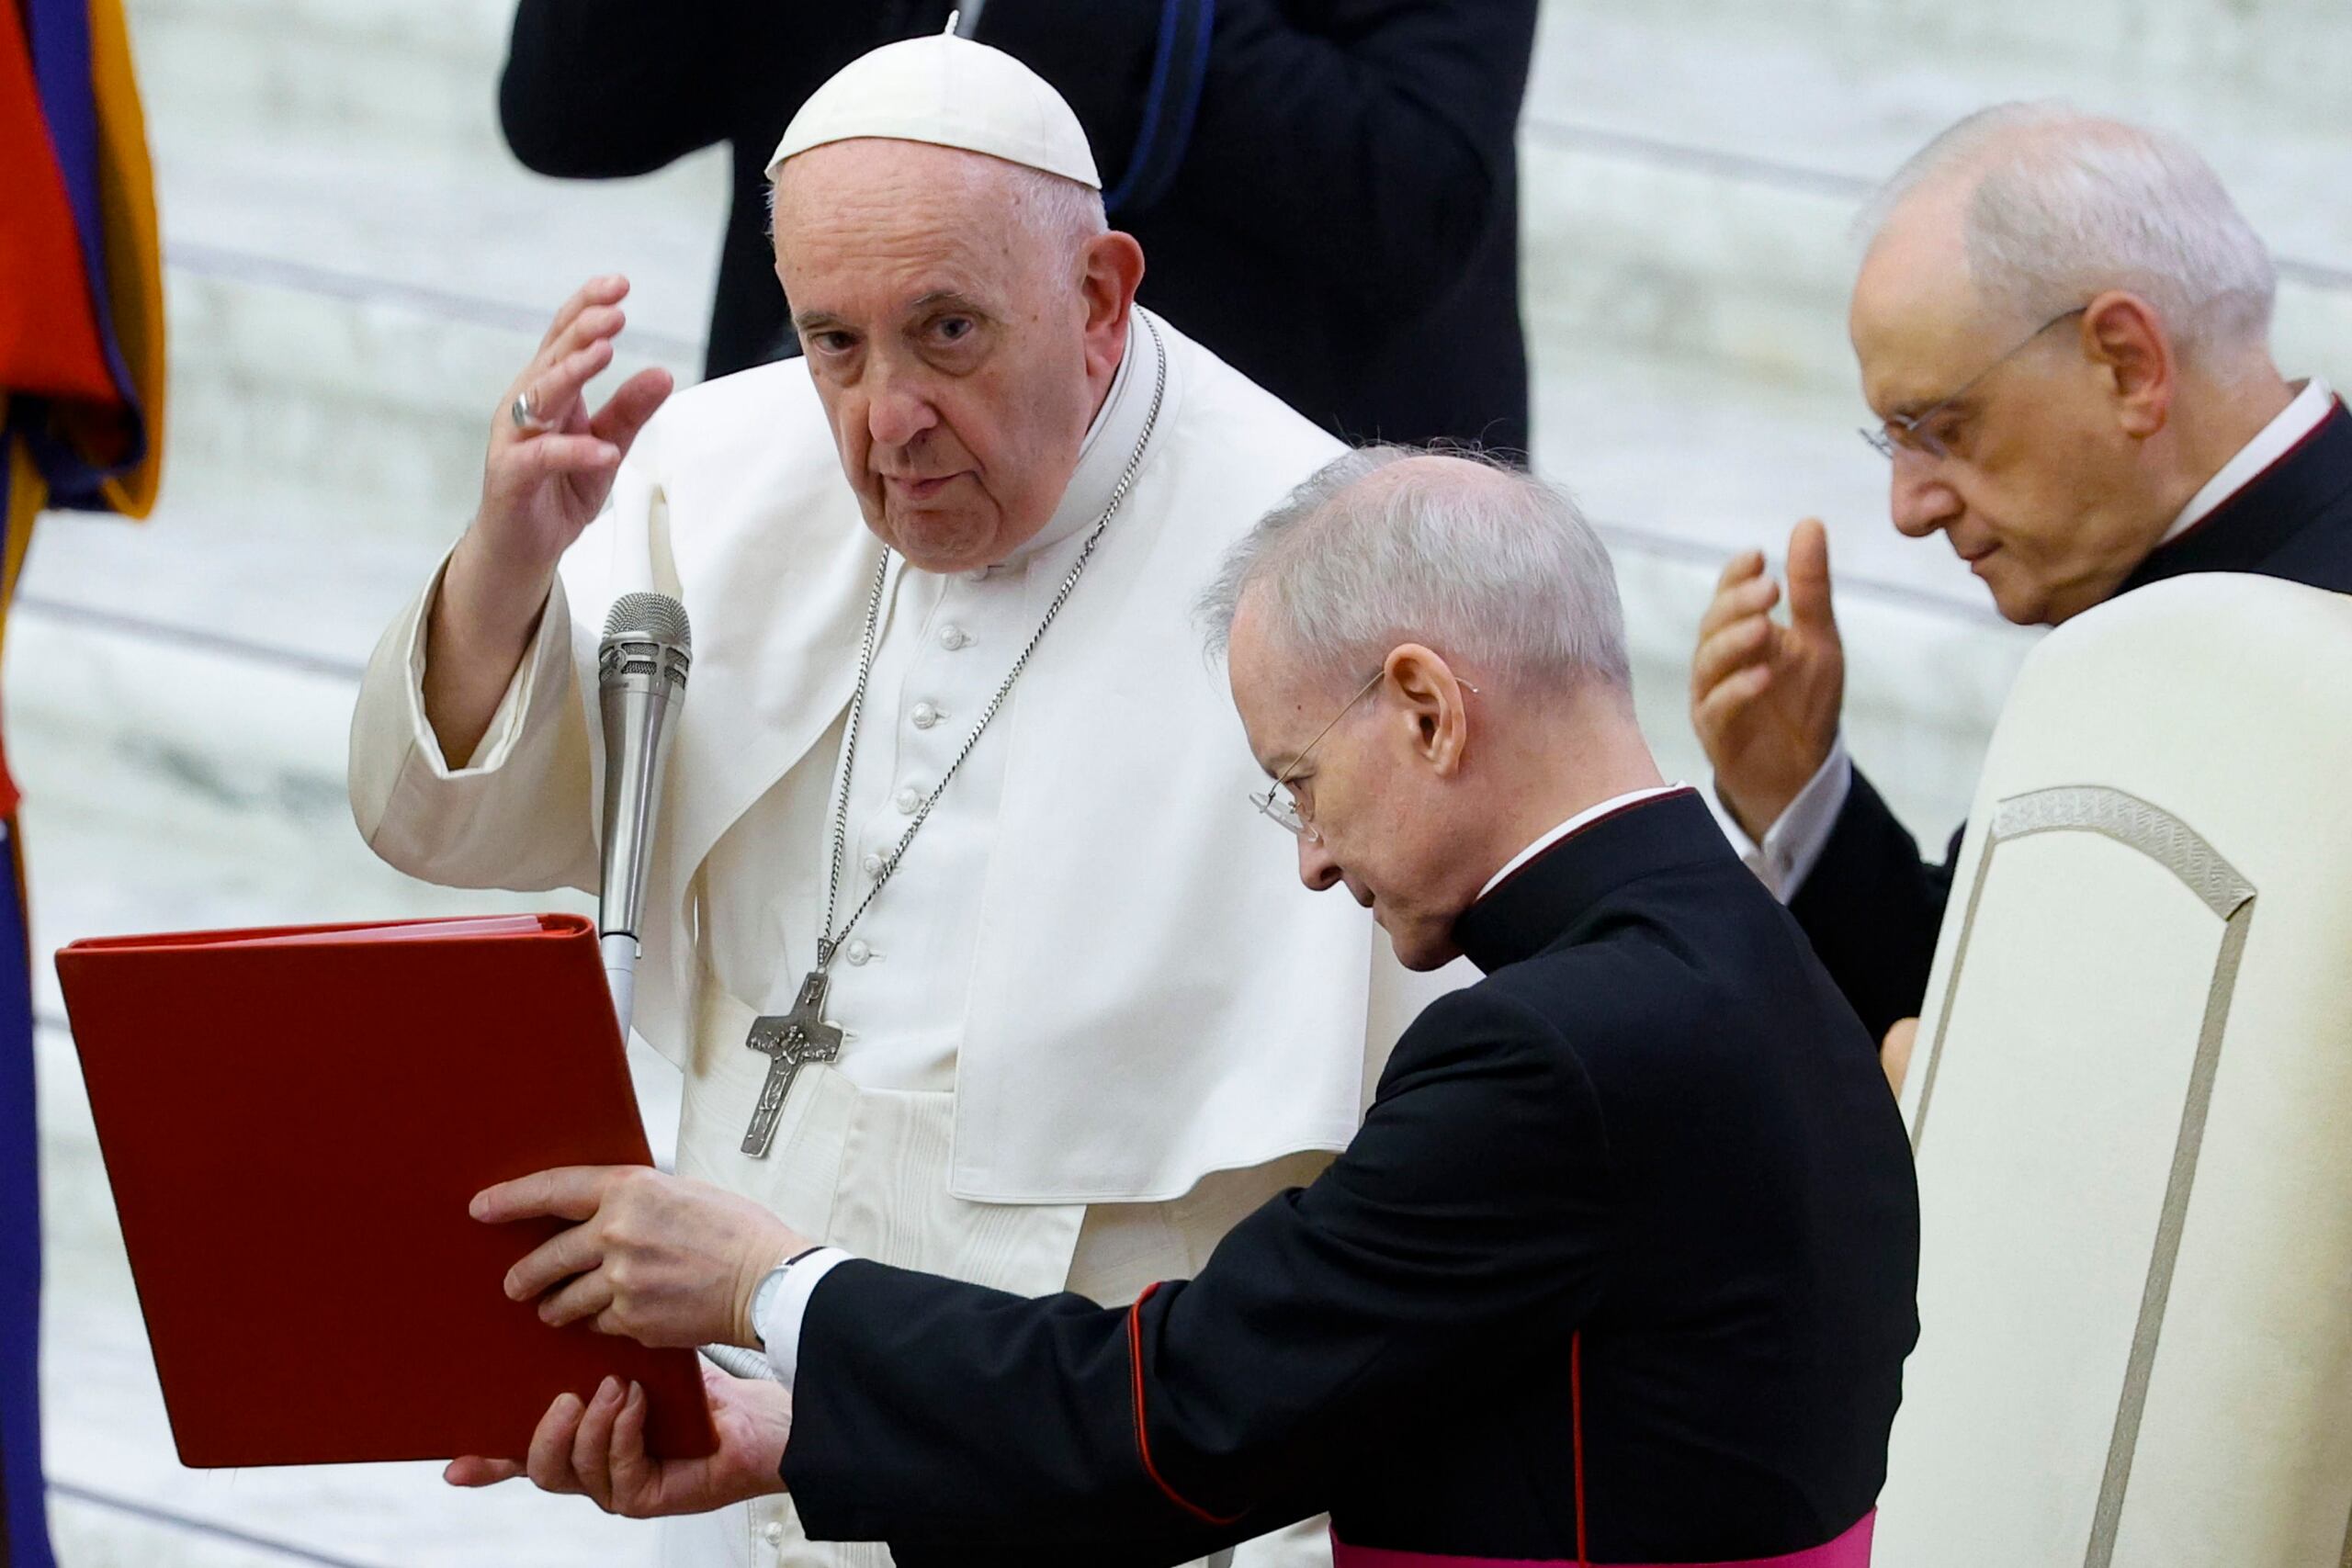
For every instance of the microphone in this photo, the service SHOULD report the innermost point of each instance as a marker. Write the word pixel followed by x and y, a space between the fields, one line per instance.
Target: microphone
pixel 640 684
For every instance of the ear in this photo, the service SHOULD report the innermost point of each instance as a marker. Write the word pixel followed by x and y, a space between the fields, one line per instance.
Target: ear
pixel 1435 703
pixel 1111 272
pixel 2123 335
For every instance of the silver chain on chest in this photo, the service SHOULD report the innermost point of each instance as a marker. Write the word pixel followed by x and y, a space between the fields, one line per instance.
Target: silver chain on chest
pixel 828 940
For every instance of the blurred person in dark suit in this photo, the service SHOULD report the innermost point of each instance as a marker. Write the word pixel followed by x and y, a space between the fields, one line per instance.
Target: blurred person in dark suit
pixel 2063 324
pixel 1327 189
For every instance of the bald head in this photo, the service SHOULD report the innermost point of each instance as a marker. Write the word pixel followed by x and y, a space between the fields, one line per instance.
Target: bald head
pixel 962 317
pixel 2022 211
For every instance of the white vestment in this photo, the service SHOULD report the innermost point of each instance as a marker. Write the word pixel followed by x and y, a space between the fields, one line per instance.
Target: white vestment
pixel 1093 1018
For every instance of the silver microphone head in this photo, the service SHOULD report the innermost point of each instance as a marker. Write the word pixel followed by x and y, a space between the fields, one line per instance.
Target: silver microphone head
pixel 650 618
pixel 645 634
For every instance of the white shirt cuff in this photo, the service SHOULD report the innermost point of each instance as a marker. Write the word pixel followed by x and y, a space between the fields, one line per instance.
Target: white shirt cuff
pixel 1792 844
pixel 779 1327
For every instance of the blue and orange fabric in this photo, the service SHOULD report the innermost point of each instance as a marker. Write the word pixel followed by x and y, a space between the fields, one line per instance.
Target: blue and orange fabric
pixel 81 426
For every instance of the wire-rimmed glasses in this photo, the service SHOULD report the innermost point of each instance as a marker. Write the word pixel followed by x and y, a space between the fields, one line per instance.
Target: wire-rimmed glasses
pixel 1283 809
pixel 1908 432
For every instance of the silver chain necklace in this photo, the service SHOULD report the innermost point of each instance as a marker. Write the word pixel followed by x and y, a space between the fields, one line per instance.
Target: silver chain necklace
pixel 801 1035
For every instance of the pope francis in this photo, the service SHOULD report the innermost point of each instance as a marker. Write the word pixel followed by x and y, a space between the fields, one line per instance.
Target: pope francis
pixel 951 765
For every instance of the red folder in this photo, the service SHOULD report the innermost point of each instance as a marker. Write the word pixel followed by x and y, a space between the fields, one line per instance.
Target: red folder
pixel 293 1122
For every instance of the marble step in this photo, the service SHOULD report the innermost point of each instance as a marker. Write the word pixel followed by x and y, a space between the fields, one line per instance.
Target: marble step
pixel 1753 275
pixel 2279 59
pixel 1689 170
pixel 372 395
pixel 420 74
pixel 1691 173
pixel 1692 170
pixel 424 72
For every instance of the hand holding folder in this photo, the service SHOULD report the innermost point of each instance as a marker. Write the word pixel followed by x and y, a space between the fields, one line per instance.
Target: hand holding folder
pixel 294 1123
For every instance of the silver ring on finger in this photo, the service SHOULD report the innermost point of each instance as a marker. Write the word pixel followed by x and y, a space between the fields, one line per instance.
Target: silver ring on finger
pixel 526 414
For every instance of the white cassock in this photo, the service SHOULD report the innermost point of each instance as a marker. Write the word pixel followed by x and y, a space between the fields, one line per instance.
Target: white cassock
pixel 1094 1019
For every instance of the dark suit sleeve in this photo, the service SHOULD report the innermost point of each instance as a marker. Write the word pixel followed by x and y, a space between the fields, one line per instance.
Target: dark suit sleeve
pixel 1874 909
pixel 1370 152
pixel 598 88
pixel 1473 1204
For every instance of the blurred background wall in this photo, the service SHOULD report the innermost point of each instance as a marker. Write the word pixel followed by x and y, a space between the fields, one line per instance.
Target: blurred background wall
pixel 357 266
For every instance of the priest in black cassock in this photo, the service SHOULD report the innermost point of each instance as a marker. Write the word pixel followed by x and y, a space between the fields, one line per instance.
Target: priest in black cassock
pixel 1619 1269
pixel 2064 325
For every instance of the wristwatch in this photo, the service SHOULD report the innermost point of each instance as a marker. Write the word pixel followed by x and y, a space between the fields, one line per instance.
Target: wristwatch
pixel 764 1291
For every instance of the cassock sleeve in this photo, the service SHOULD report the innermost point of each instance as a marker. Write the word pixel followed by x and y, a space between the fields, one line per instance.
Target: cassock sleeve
pixel 1365 151
pixel 1873 909
pixel 948 1417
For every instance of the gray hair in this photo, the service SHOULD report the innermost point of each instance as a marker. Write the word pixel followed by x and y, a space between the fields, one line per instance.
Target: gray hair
pixel 1474 558
pixel 1054 207
pixel 2066 205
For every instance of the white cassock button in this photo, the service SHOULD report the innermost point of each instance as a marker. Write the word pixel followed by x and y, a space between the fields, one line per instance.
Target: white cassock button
pixel 924 716
pixel 951 636
pixel 873 865
pixel 857 952
pixel 774 1533
pixel 977 574
pixel 907 800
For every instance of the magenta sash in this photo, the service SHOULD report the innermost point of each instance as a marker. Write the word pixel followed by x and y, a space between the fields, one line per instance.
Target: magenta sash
pixel 1851 1549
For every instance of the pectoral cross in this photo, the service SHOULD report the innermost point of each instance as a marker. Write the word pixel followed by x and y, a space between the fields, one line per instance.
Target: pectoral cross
pixel 799 1036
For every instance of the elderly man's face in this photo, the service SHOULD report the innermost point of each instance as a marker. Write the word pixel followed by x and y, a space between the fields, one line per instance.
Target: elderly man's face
pixel 1381 820
pixel 957 350
pixel 2040 488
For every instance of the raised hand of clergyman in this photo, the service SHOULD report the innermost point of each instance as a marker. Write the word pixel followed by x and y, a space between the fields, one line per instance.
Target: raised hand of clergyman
pixel 597 1447
pixel 1765 696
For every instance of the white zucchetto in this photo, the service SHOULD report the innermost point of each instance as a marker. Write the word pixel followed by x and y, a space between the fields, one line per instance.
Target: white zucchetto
pixel 950 92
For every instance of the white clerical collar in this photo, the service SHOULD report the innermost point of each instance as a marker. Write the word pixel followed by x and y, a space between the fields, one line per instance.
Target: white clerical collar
pixel 2297 420
pixel 1110 440
pixel 1590 815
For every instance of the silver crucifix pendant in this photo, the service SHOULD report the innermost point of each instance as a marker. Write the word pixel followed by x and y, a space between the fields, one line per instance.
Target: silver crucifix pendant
pixel 800 1035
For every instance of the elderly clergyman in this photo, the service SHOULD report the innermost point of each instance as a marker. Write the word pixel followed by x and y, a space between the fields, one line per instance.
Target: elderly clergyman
pixel 949 760
pixel 1619 1269
pixel 2064 325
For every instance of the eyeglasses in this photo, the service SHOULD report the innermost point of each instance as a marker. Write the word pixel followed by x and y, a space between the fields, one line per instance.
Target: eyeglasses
pixel 1904 432
pixel 1284 810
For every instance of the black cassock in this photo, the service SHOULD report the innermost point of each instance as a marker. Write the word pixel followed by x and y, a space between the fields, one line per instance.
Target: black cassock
pixel 1624 1256
pixel 1873 908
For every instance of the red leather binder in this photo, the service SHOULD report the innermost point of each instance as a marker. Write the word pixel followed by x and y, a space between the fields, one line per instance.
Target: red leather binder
pixel 293 1123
